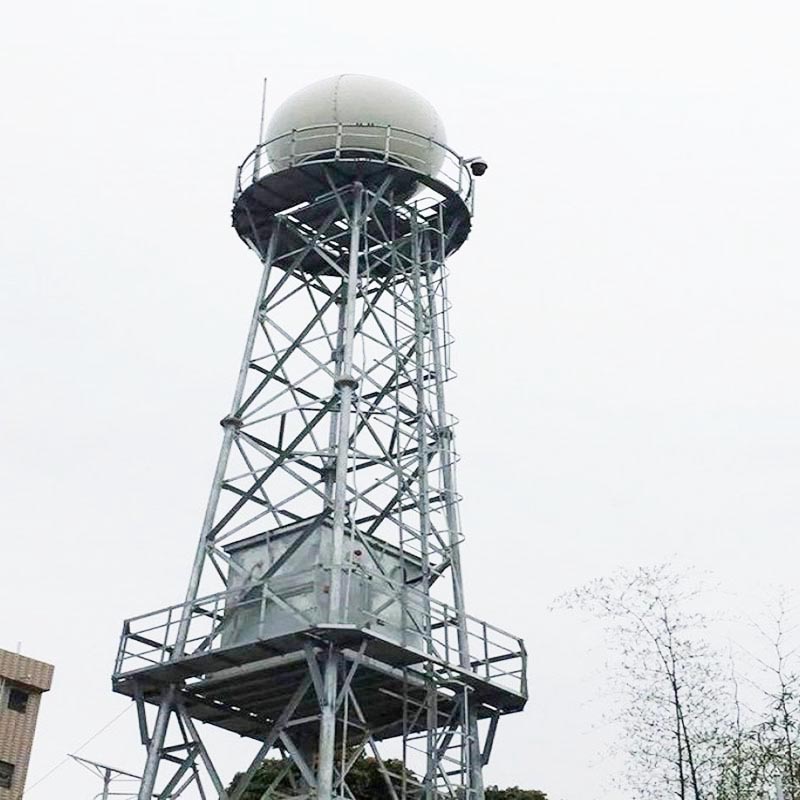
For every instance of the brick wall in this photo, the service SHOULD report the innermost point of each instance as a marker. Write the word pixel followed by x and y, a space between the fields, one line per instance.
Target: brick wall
pixel 17 728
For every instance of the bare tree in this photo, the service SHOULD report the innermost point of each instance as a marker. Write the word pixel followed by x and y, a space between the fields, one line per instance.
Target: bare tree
pixel 744 771
pixel 778 728
pixel 673 696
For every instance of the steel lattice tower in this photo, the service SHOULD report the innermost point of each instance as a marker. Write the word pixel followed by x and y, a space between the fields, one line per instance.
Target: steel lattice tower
pixel 325 613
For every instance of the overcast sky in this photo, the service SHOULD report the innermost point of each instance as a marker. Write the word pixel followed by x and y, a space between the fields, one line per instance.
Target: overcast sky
pixel 626 315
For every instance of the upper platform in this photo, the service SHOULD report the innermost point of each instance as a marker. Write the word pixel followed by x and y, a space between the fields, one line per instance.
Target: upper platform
pixel 295 173
pixel 335 133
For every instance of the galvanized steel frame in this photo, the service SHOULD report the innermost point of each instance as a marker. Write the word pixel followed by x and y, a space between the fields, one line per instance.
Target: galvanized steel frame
pixel 365 349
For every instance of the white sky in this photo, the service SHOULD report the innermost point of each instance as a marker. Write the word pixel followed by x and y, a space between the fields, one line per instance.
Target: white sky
pixel 626 314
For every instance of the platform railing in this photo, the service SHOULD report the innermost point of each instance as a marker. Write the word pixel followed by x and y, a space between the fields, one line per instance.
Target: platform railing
pixel 403 615
pixel 323 144
pixel 495 655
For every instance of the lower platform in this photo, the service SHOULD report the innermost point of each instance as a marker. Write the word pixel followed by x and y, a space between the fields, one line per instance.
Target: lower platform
pixel 244 688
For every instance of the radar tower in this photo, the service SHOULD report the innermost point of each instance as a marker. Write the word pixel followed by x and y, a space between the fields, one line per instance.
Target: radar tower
pixel 325 613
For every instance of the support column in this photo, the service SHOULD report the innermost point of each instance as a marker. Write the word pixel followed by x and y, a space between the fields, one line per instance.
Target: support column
pixel 345 385
pixel 327 731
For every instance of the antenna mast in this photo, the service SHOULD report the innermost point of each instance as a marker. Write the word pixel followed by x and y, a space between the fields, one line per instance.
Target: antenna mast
pixel 263 111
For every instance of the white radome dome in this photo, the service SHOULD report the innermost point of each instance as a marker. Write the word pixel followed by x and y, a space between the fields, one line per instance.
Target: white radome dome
pixel 372 104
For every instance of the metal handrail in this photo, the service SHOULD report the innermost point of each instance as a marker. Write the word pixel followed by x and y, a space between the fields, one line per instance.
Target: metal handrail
pixel 375 145
pixel 426 624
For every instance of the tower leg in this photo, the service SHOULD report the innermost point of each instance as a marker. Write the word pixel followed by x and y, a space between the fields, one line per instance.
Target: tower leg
pixel 327 733
pixel 475 757
pixel 155 747
pixel 345 384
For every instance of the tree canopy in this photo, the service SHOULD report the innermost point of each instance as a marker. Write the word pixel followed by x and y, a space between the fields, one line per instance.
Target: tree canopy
pixel 514 793
pixel 364 780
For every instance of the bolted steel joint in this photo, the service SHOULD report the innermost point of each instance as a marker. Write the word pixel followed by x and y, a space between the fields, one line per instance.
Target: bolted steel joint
pixel 445 433
pixel 231 421
pixel 345 380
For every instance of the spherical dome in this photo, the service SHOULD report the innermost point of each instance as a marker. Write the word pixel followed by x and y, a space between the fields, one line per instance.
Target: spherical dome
pixel 357 116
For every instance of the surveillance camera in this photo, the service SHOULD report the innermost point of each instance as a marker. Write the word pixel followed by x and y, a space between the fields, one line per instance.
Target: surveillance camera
pixel 478 166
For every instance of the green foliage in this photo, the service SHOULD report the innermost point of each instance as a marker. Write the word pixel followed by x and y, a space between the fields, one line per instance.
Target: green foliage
pixel 365 781
pixel 514 793
pixel 269 771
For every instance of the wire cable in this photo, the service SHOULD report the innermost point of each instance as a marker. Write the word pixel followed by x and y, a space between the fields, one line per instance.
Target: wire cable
pixel 78 750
